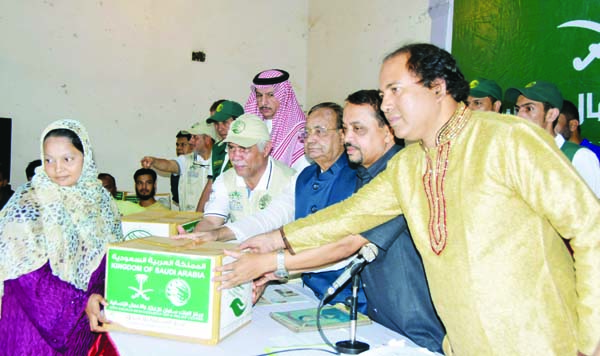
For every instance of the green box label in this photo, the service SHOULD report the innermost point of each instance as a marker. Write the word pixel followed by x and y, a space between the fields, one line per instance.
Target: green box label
pixel 159 284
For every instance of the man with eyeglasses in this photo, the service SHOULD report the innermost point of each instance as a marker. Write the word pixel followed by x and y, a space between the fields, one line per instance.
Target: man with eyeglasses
pixel 328 180
pixel 193 168
pixel 255 180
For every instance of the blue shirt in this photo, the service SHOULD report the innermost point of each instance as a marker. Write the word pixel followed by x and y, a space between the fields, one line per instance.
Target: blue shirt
pixel 316 190
pixel 395 283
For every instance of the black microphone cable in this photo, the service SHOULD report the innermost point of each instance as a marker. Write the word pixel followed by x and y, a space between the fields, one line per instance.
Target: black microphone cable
pixel 321 303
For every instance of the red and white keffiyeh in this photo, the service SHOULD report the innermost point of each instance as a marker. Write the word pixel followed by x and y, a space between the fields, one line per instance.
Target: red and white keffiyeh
pixel 289 120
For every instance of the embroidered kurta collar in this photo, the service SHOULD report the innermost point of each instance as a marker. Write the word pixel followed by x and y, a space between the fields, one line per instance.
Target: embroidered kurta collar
pixel 453 127
pixel 435 176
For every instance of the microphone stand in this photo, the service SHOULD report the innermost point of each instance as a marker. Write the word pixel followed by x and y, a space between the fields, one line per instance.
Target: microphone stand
pixel 352 346
pixel 367 254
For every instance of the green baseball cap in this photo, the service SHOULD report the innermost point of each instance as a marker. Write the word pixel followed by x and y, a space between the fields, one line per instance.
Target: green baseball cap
pixel 202 128
pixel 247 131
pixel 225 110
pixel 544 92
pixel 481 87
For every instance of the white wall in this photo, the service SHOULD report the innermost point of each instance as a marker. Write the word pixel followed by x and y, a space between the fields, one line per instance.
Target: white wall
pixel 123 67
pixel 348 40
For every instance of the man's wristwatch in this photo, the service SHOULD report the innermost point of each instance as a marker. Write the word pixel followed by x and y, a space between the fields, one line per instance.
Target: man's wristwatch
pixel 281 272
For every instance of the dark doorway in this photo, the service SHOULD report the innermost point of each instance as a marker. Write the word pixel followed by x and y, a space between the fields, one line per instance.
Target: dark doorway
pixel 5 140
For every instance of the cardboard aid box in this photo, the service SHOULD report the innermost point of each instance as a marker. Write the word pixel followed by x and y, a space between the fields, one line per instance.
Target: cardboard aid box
pixel 161 287
pixel 158 223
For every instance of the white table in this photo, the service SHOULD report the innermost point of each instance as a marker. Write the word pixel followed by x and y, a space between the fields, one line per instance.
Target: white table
pixel 262 335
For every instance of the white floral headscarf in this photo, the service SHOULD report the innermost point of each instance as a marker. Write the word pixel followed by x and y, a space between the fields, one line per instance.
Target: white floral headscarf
pixel 68 226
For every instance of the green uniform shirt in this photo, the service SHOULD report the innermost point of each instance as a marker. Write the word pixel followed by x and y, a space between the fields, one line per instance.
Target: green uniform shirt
pixel 219 151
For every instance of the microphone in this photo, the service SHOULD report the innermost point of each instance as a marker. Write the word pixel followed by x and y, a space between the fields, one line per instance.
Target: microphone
pixel 366 254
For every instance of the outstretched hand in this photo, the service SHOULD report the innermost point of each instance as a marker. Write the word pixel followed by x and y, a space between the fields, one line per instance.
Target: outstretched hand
pixel 95 315
pixel 200 236
pixel 246 267
pixel 147 162
pixel 264 243
pixel 268 277
pixel 257 292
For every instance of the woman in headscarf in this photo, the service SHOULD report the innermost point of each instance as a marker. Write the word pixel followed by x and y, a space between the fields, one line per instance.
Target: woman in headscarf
pixel 54 233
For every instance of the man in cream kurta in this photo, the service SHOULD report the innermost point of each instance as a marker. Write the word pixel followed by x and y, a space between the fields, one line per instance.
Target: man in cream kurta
pixel 487 199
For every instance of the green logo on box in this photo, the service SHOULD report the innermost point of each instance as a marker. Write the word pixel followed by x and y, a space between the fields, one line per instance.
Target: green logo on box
pixel 237 306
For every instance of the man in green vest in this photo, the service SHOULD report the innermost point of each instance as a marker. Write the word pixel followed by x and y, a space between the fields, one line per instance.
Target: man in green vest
pixel 225 113
pixel 255 180
pixel 569 127
pixel 540 103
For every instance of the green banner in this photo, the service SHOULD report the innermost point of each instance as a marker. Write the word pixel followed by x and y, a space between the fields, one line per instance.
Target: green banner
pixel 517 42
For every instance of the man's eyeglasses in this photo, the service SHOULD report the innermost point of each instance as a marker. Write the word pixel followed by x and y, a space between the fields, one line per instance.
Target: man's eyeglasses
pixel 318 131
